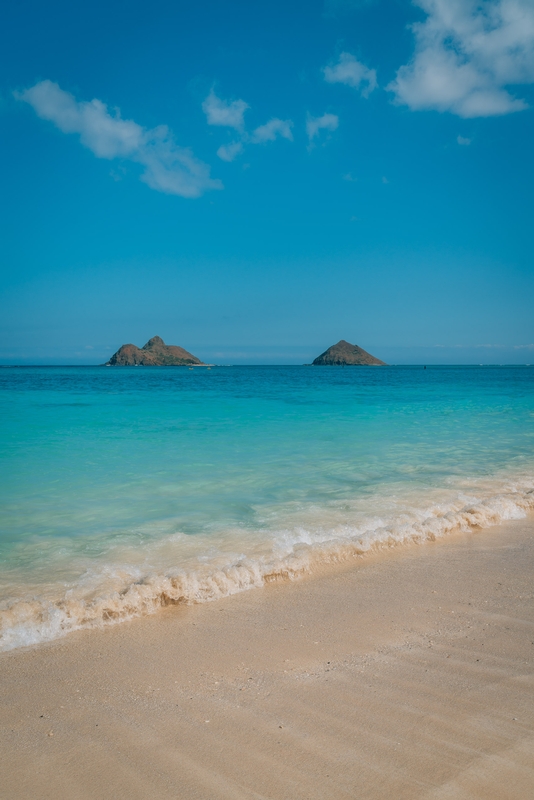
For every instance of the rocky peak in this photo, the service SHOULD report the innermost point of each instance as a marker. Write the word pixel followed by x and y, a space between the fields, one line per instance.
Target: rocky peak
pixel 156 341
pixel 155 353
pixel 346 354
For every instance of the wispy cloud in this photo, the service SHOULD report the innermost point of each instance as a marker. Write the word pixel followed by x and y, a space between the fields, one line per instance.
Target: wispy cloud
pixel 269 132
pixel 231 115
pixel 168 167
pixel 314 125
pixel 351 72
pixel 227 152
pixel 466 53
pixel 463 140
pixel 222 112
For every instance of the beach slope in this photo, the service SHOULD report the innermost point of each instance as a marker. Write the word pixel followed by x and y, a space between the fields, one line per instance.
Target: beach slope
pixel 405 675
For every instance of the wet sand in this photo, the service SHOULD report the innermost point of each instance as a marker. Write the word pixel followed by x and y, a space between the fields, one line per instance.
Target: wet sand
pixel 404 675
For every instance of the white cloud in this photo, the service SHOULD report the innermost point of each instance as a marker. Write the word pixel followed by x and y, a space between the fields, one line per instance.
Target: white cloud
pixel 350 71
pixel 231 115
pixel 168 167
pixel 327 122
pixel 275 127
pixel 230 151
pixel 107 136
pixel 466 53
pixel 221 112
pixel 463 140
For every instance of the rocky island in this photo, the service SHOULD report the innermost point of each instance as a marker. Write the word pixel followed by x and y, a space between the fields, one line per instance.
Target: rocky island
pixel 346 354
pixel 155 353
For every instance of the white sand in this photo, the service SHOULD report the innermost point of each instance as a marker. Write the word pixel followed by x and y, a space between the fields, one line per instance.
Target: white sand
pixel 407 675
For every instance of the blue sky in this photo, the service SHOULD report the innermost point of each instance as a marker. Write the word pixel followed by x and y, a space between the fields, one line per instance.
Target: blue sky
pixel 256 181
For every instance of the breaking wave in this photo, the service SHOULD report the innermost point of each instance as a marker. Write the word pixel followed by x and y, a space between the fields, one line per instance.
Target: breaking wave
pixel 290 554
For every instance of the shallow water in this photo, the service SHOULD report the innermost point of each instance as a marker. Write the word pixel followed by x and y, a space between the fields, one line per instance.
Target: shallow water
pixel 127 488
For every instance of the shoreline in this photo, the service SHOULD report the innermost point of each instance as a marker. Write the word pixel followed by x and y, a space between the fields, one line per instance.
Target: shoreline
pixel 409 674
pixel 143 591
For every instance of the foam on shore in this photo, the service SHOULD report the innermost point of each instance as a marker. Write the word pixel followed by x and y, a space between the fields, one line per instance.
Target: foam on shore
pixel 289 554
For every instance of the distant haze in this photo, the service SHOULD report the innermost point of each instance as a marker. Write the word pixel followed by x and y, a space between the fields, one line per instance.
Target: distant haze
pixel 287 355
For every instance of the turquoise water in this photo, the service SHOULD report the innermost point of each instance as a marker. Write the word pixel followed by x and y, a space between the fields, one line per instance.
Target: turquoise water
pixel 124 489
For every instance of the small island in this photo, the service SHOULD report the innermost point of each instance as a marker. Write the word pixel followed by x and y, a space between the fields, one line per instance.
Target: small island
pixel 155 353
pixel 346 354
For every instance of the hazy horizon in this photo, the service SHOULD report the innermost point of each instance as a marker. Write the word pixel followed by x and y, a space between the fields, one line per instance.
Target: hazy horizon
pixel 236 355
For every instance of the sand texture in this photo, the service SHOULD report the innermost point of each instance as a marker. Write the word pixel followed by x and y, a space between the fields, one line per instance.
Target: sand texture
pixel 406 675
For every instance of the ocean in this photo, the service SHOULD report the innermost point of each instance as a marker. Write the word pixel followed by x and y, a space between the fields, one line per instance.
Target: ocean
pixel 127 489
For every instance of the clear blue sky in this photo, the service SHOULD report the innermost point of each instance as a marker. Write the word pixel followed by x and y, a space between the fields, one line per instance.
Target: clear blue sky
pixel 255 181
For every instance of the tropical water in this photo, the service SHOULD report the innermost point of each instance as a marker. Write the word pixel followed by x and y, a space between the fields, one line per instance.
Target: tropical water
pixel 125 489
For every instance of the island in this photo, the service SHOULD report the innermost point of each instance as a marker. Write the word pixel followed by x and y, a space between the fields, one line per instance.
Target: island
pixel 155 353
pixel 346 354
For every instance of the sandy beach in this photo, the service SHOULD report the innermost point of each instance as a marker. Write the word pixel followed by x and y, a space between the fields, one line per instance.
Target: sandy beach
pixel 409 674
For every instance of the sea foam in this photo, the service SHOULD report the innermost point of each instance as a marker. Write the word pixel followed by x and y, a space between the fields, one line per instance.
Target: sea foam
pixel 290 553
